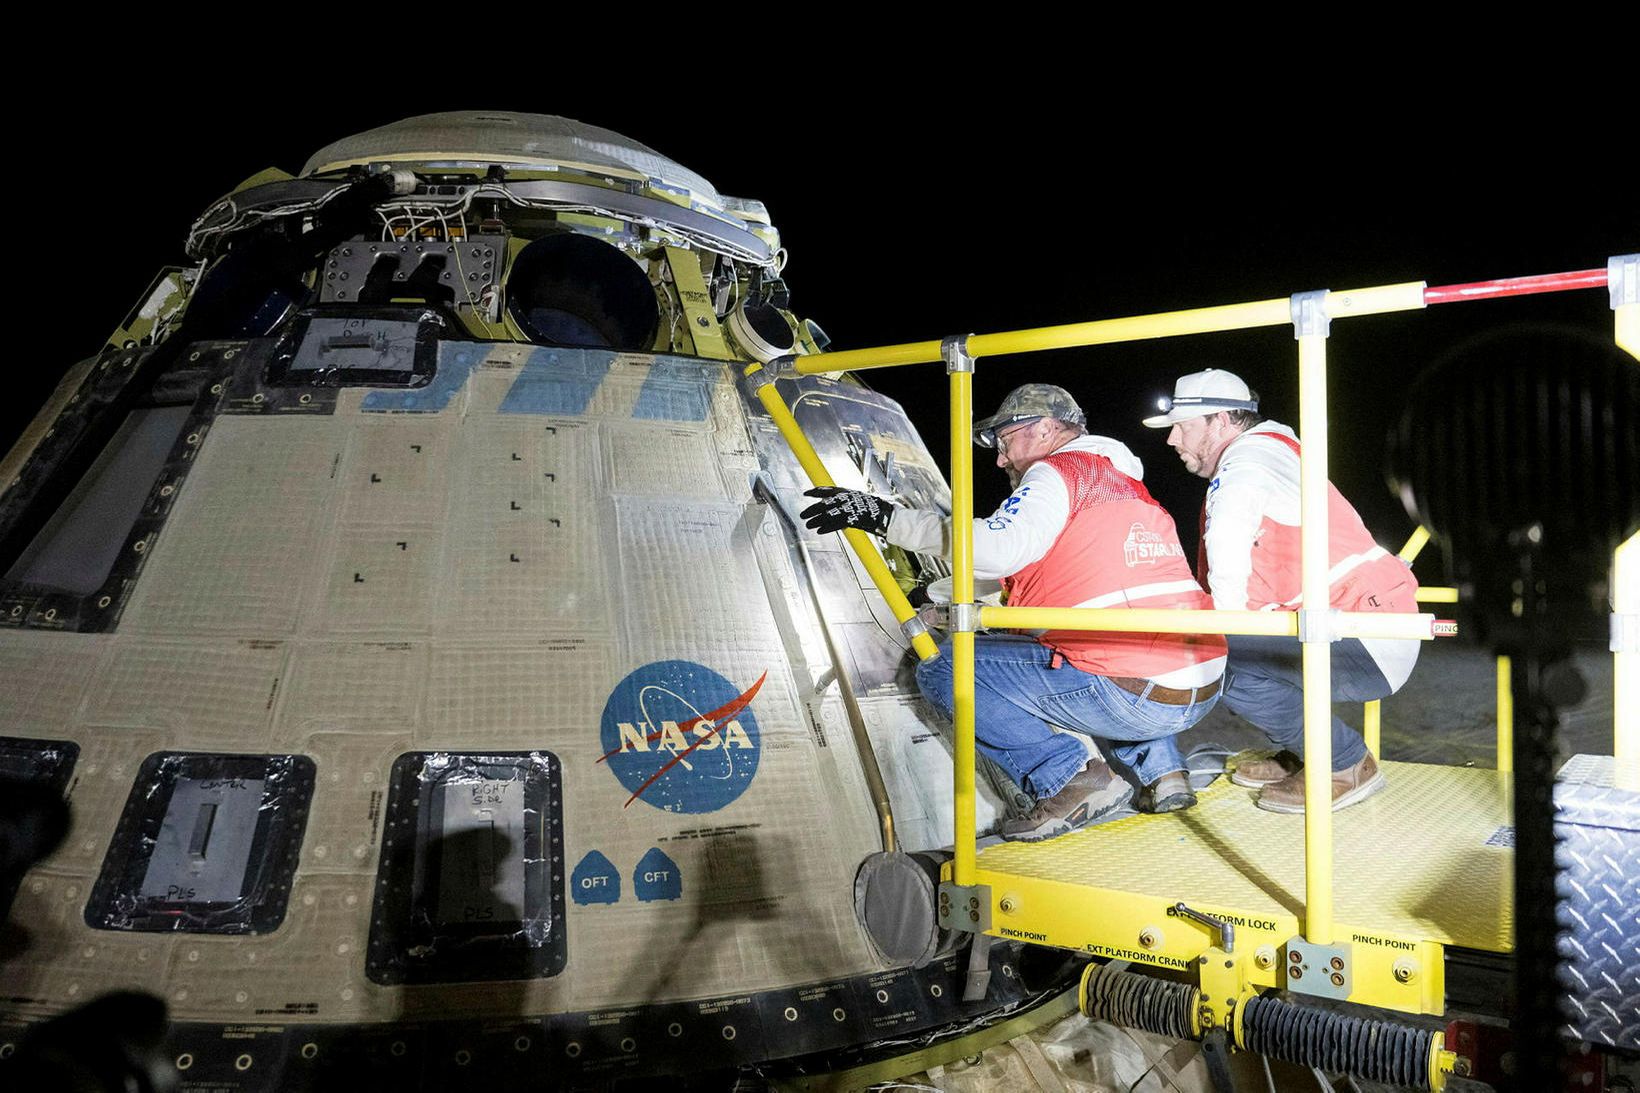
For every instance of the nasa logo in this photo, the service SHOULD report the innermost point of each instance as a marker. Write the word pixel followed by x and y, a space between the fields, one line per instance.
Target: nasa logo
pixel 680 737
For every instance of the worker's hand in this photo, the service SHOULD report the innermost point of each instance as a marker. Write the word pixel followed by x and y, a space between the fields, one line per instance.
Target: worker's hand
pixel 839 508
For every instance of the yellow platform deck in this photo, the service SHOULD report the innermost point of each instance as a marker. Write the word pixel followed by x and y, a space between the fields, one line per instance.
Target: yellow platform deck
pixel 1424 864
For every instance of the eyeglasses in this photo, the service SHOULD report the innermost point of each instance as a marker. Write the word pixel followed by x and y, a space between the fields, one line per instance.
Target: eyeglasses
pixel 1002 436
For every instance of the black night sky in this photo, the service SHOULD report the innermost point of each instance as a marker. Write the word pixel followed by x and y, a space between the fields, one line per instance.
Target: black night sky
pixel 910 213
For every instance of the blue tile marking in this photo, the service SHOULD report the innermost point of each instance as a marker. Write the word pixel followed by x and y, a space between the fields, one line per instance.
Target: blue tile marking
pixel 595 880
pixel 657 877
pixel 676 389
pixel 456 361
pixel 557 381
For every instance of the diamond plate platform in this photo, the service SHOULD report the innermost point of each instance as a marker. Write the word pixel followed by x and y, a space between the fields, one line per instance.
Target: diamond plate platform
pixel 1430 857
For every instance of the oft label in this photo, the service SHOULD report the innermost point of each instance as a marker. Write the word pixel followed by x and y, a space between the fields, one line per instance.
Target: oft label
pixel 680 737
pixel 595 880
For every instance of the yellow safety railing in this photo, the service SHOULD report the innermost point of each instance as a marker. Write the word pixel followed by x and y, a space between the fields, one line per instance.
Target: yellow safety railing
pixel 1205 320
pixel 1310 314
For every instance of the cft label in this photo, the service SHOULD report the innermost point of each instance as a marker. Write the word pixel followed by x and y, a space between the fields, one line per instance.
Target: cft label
pixel 680 737
pixel 657 877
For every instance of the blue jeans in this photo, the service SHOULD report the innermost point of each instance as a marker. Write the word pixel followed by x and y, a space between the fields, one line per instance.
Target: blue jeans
pixel 1264 684
pixel 1017 694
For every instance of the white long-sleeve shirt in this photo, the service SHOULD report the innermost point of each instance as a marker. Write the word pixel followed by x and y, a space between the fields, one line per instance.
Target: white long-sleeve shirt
pixel 1251 542
pixel 1025 526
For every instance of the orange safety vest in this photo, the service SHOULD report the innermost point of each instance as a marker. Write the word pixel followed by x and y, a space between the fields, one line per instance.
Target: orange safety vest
pixel 1118 548
pixel 1362 576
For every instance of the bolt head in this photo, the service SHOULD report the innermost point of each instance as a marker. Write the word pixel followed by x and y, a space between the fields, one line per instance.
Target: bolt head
pixel 1295 957
pixel 1337 980
pixel 1337 963
pixel 1295 973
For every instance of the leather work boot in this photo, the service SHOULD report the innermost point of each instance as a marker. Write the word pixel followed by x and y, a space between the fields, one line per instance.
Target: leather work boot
pixel 1350 785
pixel 1258 773
pixel 1093 793
pixel 1170 793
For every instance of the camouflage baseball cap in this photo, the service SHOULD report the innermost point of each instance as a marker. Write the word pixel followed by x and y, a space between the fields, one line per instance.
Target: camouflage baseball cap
pixel 1027 403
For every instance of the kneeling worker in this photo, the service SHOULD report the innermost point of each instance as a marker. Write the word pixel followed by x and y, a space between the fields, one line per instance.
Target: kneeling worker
pixel 1079 530
pixel 1250 558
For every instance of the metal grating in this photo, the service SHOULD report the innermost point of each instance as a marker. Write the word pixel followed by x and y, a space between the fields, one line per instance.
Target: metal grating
pixel 1417 860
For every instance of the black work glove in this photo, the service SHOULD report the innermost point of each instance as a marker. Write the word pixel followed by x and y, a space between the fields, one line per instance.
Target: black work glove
pixel 839 508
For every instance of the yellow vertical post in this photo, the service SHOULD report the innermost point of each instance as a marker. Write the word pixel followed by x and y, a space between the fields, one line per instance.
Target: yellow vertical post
pixel 1623 280
pixel 964 615
pixel 1626 663
pixel 1506 716
pixel 1309 311
pixel 1371 726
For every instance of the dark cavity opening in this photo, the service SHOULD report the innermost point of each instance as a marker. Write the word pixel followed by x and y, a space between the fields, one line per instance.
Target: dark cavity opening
pixel 572 290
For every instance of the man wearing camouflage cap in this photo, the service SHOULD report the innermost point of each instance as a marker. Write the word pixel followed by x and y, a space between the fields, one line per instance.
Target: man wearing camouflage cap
pixel 1079 530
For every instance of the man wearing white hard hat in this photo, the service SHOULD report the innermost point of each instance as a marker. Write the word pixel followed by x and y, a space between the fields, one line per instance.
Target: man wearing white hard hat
pixel 1079 530
pixel 1249 558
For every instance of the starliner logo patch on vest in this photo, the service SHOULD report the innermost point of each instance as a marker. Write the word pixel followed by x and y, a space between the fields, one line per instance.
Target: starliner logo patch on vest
pixel 1143 547
pixel 680 737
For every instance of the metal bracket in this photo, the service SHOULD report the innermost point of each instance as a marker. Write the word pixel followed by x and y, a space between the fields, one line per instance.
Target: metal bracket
pixel 758 379
pixel 1310 314
pixel 1625 632
pixel 913 627
pixel 954 352
pixel 466 268
pixel 1220 984
pixel 965 908
pixel 782 367
pixel 979 968
pixel 1318 625
pixel 1623 279
pixel 964 618
pixel 1321 970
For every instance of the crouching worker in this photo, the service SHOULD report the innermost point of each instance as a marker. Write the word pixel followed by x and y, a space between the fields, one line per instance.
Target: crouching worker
pixel 1250 560
pixel 1079 530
